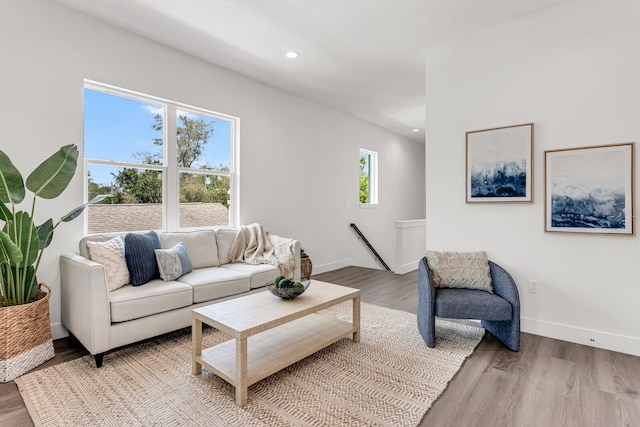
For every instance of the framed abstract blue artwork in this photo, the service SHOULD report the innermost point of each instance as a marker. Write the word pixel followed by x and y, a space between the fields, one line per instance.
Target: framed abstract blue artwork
pixel 500 165
pixel 590 189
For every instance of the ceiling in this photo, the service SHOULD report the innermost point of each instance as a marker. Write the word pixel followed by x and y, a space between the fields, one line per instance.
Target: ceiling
pixel 362 57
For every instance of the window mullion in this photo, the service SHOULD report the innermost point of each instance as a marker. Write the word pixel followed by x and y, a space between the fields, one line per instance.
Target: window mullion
pixel 171 190
pixel 374 178
pixel 234 188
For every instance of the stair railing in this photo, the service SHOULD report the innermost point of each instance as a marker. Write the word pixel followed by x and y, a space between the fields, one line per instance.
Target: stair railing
pixel 371 248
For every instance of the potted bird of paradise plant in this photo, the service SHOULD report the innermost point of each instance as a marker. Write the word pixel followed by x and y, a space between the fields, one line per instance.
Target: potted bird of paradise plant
pixel 25 329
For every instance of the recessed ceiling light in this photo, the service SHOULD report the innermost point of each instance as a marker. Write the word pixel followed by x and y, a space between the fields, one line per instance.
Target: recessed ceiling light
pixel 416 130
pixel 292 55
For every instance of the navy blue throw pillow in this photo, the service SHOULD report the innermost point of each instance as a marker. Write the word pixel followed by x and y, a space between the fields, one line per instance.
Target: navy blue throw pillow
pixel 139 251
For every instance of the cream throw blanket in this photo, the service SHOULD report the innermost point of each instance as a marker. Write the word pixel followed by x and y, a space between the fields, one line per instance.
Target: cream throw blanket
pixel 253 245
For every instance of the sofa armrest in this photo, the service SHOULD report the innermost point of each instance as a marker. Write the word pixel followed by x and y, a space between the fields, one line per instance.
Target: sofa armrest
pixel 85 301
pixel 297 271
pixel 294 245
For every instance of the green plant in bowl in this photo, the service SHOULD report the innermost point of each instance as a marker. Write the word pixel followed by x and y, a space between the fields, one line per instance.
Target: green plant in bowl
pixel 287 288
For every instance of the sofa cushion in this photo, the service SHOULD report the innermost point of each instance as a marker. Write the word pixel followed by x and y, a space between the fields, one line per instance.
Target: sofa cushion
pixel 111 255
pixel 201 246
pixel 133 302
pixel 259 274
pixel 141 258
pixel 174 262
pixel 224 238
pixel 468 270
pixel 215 282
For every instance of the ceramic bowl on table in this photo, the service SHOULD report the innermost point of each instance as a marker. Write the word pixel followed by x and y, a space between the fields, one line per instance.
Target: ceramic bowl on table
pixel 288 288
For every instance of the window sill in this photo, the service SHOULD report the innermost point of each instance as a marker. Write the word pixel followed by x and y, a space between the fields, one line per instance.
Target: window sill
pixel 368 206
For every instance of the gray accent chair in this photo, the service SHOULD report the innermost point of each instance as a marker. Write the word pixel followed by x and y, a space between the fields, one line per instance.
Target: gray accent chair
pixel 499 312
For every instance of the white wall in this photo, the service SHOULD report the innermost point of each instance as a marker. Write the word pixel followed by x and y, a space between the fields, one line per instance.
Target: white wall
pixel 293 153
pixel 573 71
pixel 410 245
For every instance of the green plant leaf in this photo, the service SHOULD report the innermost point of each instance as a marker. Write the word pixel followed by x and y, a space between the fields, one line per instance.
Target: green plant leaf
pixel 77 211
pixel 53 175
pixel 6 284
pixel 5 213
pixel 45 234
pixel 9 251
pixel 11 183
pixel 31 290
pixel 21 294
pixel 24 234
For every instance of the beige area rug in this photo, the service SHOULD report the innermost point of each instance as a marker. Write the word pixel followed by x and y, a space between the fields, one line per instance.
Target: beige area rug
pixel 390 378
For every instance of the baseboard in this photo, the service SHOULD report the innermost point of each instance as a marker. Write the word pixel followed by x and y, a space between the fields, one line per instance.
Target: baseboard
pixel 323 268
pixel 58 331
pixel 599 339
pixel 405 268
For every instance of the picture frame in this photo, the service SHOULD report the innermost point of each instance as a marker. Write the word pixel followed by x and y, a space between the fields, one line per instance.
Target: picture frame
pixel 590 190
pixel 499 165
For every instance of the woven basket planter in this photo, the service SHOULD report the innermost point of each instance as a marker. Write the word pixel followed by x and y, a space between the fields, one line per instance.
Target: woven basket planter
pixel 25 336
pixel 305 267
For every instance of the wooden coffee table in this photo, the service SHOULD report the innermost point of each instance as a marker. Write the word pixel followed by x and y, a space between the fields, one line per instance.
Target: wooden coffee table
pixel 270 333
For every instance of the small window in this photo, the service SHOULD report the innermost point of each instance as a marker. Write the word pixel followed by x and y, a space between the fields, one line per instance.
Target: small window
pixel 368 177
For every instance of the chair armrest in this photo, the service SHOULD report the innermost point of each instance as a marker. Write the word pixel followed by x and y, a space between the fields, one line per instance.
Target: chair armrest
pixel 85 301
pixel 426 304
pixel 504 286
pixel 425 282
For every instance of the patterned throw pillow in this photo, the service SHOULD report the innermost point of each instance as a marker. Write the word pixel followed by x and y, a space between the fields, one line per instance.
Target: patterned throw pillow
pixel 460 270
pixel 111 255
pixel 141 258
pixel 173 262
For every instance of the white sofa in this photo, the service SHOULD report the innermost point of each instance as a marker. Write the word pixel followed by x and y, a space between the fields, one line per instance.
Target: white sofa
pixel 103 320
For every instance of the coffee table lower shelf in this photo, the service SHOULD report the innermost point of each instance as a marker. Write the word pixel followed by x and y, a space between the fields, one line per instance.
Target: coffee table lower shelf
pixel 273 350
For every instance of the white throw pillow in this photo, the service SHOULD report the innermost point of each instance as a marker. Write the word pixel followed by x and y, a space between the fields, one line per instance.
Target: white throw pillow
pixel 225 238
pixel 200 244
pixel 468 270
pixel 111 255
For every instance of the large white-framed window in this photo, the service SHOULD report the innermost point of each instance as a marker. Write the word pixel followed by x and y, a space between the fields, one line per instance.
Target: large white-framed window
pixel 368 178
pixel 166 165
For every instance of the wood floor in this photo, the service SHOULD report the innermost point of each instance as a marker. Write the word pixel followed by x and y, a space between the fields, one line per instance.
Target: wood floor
pixel 547 383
